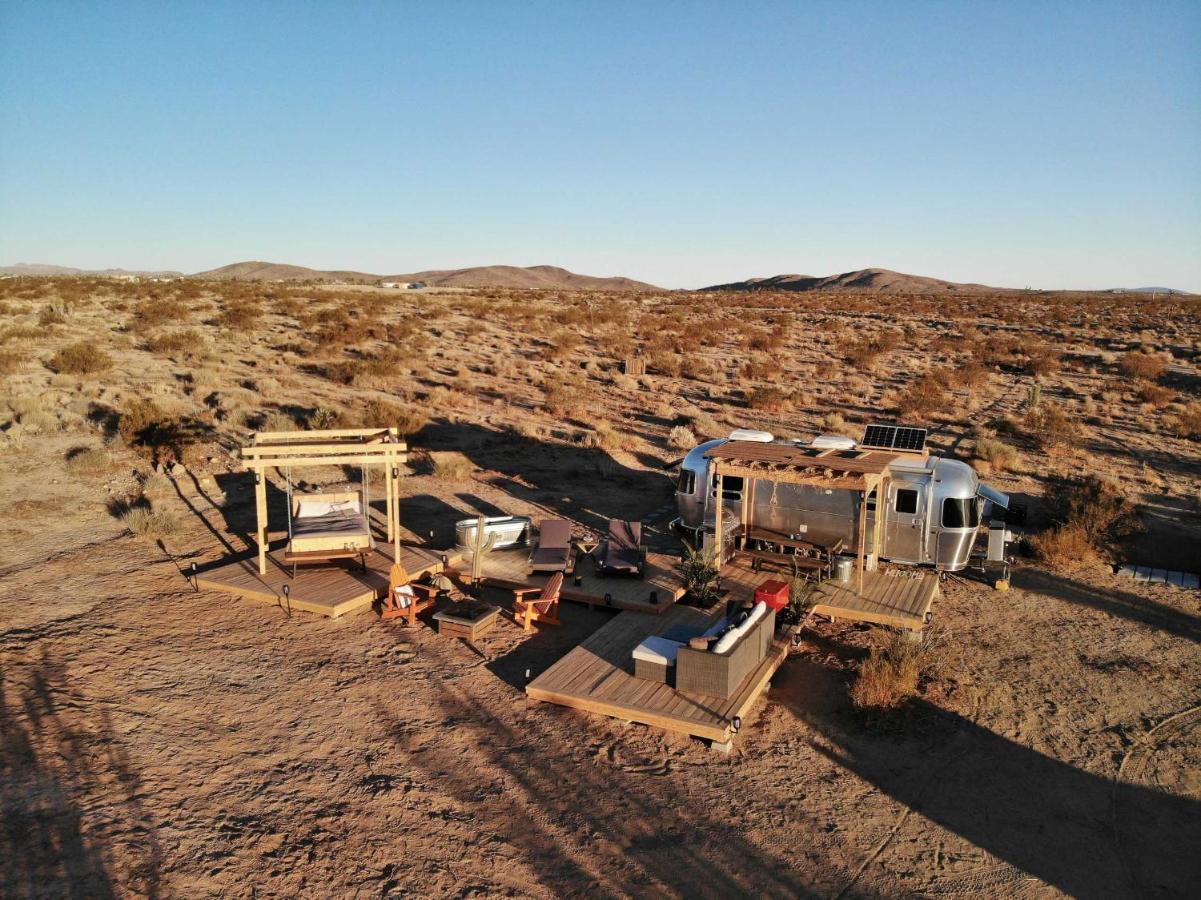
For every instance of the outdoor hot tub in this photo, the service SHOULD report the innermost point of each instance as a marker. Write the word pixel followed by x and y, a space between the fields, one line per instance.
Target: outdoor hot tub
pixel 510 531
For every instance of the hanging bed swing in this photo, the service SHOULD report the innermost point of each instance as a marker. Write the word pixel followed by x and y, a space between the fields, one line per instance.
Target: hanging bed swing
pixel 324 526
pixel 336 524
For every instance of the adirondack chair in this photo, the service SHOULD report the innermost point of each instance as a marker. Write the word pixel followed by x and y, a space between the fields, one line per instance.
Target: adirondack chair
pixel 406 598
pixel 543 609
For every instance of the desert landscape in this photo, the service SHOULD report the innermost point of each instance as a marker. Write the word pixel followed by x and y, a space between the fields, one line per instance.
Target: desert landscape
pixel 159 740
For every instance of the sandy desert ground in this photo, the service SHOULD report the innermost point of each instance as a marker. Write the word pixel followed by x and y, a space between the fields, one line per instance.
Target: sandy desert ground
pixel 156 741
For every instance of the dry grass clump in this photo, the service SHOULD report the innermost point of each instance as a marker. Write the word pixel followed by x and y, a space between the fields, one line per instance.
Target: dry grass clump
pixel 52 315
pixel 865 353
pixel 1187 422
pixel 1155 395
pixel 1066 547
pixel 155 434
pixel 1144 366
pixel 888 677
pixel 451 466
pixel 240 316
pixel 999 456
pixel 1043 360
pixel 770 400
pixel 33 413
pixel 151 524
pixel 923 397
pixel 89 461
pixel 82 358
pixel 1051 427
pixel 190 340
pixel 681 438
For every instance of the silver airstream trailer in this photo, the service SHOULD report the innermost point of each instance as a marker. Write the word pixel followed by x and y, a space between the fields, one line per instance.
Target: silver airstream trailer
pixel 932 510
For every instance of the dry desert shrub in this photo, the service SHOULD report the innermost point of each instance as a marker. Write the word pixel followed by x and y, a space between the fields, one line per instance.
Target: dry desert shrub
pixel 1155 395
pixel 83 358
pixel 169 342
pixel 1051 427
pixel 450 466
pixel 151 524
pixel 1141 365
pixel 680 438
pixel 89 461
pixel 833 422
pixel 1066 547
pixel 1187 422
pixel 1044 360
pixel 769 400
pixel 923 397
pixel 1000 456
pixel 53 314
pixel 888 677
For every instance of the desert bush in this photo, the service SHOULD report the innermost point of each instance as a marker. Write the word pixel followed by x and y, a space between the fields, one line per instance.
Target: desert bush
pixel 833 422
pixel 277 420
pixel 1156 395
pixel 88 461
pixel 240 316
pixel 82 358
pixel 1065 547
pixel 1187 422
pixel 151 524
pixel 51 315
pixel 769 400
pixel 1043 361
pixel 557 399
pixel 1095 505
pixel 322 417
pixel 33 413
pixel 1145 366
pixel 377 413
pixel 1051 427
pixel 1000 456
pixel 923 397
pixel 681 438
pixel 176 342
pixel 153 433
pixel 888 677
pixel 451 466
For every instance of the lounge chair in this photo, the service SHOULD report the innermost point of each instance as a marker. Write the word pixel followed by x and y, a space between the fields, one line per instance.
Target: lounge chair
pixel 554 551
pixel 543 609
pixel 622 552
pixel 406 598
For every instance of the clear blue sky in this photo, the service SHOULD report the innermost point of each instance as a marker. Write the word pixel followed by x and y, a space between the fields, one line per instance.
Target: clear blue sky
pixel 1042 144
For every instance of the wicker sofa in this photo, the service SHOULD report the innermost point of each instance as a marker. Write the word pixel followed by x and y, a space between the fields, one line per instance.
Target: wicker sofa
pixel 720 674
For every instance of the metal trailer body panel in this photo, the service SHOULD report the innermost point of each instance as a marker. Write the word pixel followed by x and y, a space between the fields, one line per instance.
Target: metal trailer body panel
pixel 920 527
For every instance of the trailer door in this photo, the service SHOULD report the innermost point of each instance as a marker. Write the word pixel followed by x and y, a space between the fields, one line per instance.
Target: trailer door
pixel 905 533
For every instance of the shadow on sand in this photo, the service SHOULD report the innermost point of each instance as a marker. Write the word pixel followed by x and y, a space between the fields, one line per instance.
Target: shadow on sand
pixel 1079 832
pixel 582 825
pixel 53 760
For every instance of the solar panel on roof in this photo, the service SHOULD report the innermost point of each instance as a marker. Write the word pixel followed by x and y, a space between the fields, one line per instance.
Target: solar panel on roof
pixel 894 437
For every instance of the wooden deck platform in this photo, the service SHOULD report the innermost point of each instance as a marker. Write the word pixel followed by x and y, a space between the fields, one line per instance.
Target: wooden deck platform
pixel 331 590
pixel 507 568
pixel 598 677
pixel 901 598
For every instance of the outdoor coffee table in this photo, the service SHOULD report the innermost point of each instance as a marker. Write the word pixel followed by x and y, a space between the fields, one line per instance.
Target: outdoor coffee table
pixel 468 619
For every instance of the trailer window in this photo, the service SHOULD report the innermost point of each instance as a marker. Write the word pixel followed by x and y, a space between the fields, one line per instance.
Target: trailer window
pixel 906 501
pixel 687 482
pixel 731 487
pixel 960 513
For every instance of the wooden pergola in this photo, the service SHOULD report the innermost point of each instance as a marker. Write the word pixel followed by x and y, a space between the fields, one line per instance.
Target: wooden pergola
pixel 285 450
pixel 848 470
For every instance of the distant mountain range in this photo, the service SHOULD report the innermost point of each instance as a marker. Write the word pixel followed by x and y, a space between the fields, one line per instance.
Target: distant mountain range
pixel 551 277
pixel 43 269
pixel 880 281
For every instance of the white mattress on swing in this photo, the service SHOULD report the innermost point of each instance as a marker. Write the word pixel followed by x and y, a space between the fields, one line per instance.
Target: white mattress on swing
pixel 329 524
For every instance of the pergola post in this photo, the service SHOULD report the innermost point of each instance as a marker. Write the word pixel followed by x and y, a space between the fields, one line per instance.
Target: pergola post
pixel 878 524
pixel 260 517
pixel 394 514
pixel 862 536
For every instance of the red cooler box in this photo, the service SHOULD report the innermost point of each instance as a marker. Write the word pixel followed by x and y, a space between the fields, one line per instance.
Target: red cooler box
pixel 773 593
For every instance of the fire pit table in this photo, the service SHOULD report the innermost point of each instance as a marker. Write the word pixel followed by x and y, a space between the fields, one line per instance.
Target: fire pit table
pixel 468 619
